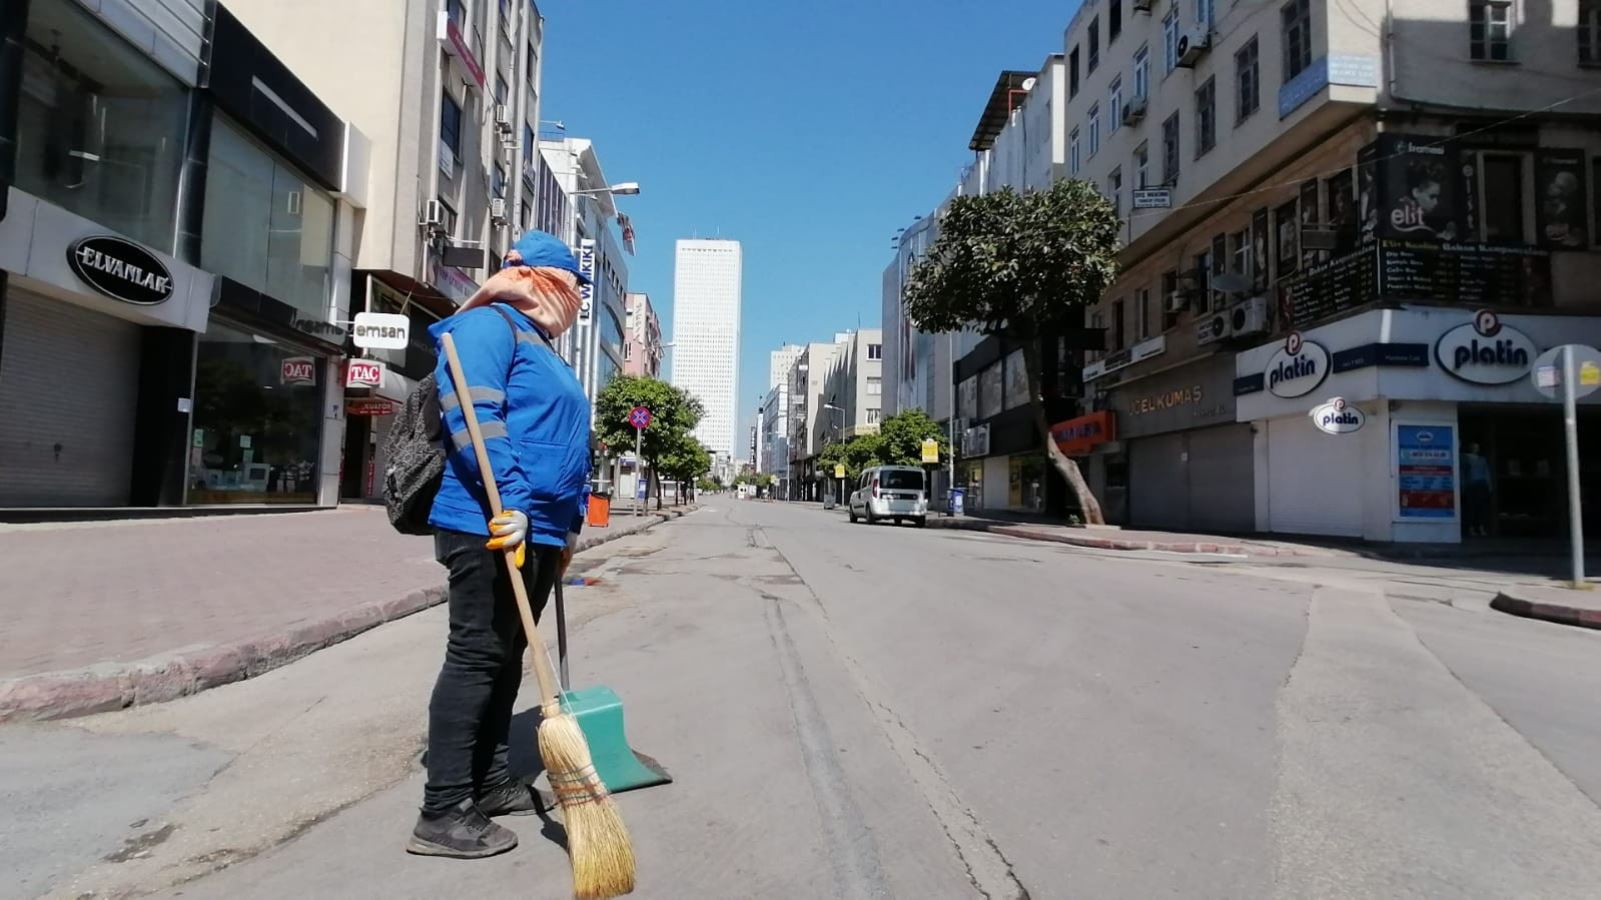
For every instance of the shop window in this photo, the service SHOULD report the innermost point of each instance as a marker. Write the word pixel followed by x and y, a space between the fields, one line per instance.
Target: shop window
pixel 257 429
pixel 1503 199
pixel 1589 32
pixel 265 226
pixel 100 128
pixel 1016 380
pixel 967 398
pixel 991 391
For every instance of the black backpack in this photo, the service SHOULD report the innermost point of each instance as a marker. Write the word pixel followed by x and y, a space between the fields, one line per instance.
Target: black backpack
pixel 416 451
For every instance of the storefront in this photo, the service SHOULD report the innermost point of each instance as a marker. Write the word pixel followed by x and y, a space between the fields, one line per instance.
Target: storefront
pixel 1180 461
pixel 1447 437
pixel 98 309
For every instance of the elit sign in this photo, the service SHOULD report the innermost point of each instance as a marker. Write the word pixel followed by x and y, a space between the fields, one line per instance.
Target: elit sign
pixel 1485 352
pixel 1335 417
pixel 120 269
pixel 1297 368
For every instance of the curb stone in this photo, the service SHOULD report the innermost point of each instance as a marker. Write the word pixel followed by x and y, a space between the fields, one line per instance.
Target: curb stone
pixel 112 686
pixel 1112 543
pixel 1579 617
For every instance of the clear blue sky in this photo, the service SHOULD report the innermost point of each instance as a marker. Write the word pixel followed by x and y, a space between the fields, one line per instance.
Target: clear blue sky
pixel 810 132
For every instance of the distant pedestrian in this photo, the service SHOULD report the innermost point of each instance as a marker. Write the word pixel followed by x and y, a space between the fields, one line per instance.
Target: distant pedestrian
pixel 534 417
pixel 1477 490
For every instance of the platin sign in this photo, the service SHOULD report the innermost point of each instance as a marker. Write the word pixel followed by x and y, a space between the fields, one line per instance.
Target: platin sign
pixel 120 269
pixel 298 371
pixel 586 292
pixel 369 407
pixel 1297 368
pixel 1484 351
pixel 381 331
pixel 364 373
pixel 1335 417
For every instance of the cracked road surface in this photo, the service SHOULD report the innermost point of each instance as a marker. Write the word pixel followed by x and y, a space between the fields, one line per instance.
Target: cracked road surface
pixel 858 712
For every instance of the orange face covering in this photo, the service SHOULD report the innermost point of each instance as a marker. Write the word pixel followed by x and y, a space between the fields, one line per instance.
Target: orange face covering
pixel 548 296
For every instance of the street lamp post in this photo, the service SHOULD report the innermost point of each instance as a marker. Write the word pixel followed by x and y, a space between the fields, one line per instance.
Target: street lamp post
pixel 839 430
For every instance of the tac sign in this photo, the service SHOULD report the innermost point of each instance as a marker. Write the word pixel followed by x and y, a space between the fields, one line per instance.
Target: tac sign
pixel 1335 417
pixel 298 370
pixel 639 418
pixel 381 331
pixel 1586 372
pixel 930 451
pixel 364 373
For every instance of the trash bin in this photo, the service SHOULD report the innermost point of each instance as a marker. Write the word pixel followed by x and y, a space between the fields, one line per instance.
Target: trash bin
pixel 599 511
pixel 956 497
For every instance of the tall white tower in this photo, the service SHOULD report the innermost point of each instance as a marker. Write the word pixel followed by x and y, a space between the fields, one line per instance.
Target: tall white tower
pixel 706 302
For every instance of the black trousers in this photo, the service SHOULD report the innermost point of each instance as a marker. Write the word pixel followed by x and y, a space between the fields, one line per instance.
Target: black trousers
pixel 469 716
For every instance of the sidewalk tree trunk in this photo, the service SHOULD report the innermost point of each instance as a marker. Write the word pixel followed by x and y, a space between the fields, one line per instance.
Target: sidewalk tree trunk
pixel 1022 267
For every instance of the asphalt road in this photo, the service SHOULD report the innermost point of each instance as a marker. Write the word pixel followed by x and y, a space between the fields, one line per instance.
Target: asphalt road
pixel 855 711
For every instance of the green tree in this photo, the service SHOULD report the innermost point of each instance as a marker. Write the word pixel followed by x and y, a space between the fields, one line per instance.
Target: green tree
pixel 901 437
pixel 1022 267
pixel 674 414
pixel 685 462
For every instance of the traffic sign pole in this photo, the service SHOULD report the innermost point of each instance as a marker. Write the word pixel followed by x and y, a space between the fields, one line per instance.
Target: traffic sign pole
pixel 639 469
pixel 1570 422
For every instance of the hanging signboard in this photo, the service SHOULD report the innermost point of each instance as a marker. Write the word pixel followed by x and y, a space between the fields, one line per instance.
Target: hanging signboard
pixel 1336 417
pixel 364 373
pixel 381 331
pixel 586 292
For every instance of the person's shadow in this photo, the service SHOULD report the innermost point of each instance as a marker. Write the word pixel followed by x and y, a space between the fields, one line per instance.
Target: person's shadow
pixel 525 764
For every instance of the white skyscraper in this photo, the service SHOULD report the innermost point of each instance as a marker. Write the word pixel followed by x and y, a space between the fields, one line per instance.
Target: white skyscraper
pixel 706 301
pixel 782 360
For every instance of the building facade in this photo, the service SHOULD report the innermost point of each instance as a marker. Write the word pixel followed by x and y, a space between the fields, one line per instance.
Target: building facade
pixel 642 352
pixel 854 388
pixel 811 425
pixel 449 94
pixel 1324 211
pixel 175 262
pixel 707 276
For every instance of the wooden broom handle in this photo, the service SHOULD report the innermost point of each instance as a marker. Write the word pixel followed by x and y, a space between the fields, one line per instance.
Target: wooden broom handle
pixel 547 679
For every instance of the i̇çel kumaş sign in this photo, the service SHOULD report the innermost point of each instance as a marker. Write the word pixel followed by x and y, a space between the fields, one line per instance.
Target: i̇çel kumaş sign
pixel 120 269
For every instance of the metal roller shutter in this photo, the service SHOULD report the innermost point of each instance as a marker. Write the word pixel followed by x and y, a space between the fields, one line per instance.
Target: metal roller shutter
pixel 1222 482
pixel 68 396
pixel 1158 495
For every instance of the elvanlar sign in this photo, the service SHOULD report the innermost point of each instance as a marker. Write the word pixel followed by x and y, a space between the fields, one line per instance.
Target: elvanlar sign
pixel 120 269
pixel 1486 352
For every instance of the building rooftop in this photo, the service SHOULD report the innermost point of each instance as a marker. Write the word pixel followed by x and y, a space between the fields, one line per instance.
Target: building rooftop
pixel 999 107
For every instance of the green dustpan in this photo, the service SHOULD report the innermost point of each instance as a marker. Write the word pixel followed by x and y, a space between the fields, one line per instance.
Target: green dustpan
pixel 600 714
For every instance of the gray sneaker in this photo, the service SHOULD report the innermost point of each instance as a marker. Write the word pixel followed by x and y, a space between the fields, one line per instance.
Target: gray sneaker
pixel 461 832
pixel 515 798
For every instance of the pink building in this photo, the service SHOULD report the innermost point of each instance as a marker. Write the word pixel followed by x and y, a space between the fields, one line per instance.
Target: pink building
pixel 642 349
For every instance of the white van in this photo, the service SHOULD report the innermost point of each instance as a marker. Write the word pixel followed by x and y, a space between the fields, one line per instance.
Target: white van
pixel 899 493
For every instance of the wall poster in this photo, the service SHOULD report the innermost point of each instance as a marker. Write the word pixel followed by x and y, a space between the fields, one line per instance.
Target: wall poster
pixel 1559 194
pixel 1259 257
pixel 1425 472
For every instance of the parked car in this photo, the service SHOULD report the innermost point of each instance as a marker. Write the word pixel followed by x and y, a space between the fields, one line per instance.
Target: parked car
pixel 898 493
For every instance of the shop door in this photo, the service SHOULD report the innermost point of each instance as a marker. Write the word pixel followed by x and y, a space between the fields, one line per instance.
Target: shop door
pixel 1158 496
pixel 69 383
pixel 1313 481
pixel 1221 479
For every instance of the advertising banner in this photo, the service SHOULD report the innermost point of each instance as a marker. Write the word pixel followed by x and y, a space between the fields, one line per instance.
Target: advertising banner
pixel 1426 471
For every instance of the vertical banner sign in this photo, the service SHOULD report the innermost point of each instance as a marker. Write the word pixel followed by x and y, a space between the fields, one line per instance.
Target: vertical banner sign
pixel 586 265
pixel 1426 471
pixel 1367 193
pixel 1259 258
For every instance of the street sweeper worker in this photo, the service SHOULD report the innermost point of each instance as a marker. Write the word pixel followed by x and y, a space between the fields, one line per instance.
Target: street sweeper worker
pixel 534 418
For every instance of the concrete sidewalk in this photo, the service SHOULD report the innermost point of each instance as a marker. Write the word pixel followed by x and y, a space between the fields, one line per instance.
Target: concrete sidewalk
pixel 101 616
pixel 1563 606
pixel 1112 538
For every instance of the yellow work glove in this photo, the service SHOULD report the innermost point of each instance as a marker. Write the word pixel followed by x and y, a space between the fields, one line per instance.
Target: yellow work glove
pixel 509 531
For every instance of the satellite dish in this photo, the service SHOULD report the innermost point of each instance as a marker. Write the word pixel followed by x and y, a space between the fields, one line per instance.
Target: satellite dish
pixel 1231 283
pixel 1028 83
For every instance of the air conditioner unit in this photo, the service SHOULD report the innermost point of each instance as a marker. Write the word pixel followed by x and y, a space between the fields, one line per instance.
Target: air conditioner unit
pixel 433 215
pixel 1193 46
pixel 503 120
pixel 1213 328
pixel 1134 111
pixel 1177 302
pixel 1143 6
pixel 1249 317
pixel 497 209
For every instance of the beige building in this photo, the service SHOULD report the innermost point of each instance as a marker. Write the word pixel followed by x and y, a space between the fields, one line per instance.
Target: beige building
pixel 811 424
pixel 643 348
pixel 448 94
pixel 1352 174
pixel 854 387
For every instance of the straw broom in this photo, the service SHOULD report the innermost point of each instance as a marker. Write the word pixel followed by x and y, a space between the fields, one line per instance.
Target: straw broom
pixel 597 841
